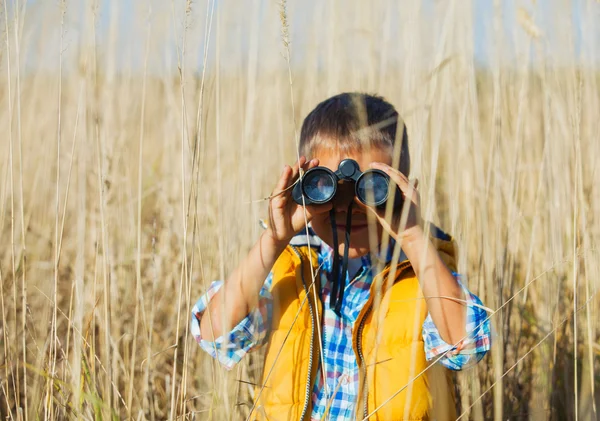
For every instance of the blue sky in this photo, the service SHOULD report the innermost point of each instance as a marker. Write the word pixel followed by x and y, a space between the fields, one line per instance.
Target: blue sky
pixel 568 31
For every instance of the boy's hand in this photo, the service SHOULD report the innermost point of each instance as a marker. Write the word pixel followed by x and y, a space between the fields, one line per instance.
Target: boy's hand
pixel 286 217
pixel 443 294
pixel 407 217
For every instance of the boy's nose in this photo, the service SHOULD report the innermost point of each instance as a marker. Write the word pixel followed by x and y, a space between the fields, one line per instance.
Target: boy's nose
pixel 343 197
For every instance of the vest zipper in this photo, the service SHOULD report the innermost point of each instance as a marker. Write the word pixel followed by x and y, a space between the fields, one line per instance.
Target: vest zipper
pixel 312 338
pixel 363 369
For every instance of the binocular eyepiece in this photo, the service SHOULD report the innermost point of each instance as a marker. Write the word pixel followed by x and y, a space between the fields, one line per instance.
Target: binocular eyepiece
pixel 319 184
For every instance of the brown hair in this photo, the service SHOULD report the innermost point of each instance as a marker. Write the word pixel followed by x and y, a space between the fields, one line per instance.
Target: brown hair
pixel 353 122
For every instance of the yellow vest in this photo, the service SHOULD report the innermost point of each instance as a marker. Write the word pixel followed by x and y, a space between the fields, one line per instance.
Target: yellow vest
pixel 386 338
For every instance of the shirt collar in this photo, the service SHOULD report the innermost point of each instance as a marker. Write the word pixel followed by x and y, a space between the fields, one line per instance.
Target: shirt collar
pixel 378 258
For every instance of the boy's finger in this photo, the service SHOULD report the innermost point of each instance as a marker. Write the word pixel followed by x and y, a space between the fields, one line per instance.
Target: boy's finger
pixel 283 180
pixel 394 174
pixel 288 175
pixel 300 163
pixel 397 177
pixel 296 168
pixel 307 166
pixel 311 164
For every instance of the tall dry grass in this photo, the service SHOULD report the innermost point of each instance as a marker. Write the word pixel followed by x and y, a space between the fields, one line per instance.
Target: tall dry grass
pixel 137 137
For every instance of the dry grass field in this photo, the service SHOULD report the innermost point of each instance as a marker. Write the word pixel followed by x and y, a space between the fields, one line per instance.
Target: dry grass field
pixel 138 137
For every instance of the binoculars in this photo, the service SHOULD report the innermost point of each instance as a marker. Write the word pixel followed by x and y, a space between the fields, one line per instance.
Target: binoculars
pixel 319 185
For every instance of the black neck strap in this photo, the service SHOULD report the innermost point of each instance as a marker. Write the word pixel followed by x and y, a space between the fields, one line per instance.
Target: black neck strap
pixel 335 268
pixel 339 279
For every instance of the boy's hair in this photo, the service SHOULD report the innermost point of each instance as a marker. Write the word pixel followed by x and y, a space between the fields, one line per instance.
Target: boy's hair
pixel 354 122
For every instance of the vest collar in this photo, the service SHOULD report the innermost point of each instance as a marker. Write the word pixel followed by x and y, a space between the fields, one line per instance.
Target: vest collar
pixel 441 241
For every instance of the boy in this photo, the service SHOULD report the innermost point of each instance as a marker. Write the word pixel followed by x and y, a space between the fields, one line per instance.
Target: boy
pixel 362 353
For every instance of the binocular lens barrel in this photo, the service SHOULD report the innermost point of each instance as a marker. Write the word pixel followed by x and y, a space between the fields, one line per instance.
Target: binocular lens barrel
pixel 372 188
pixel 319 186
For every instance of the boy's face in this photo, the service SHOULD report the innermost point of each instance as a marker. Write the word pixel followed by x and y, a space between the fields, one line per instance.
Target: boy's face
pixel 365 230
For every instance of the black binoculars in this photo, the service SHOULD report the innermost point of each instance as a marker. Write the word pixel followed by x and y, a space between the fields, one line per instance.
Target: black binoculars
pixel 319 185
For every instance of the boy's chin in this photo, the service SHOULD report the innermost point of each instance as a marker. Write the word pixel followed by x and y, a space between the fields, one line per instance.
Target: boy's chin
pixel 354 251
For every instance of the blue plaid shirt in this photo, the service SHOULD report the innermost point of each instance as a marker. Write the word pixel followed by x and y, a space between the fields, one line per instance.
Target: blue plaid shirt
pixel 341 367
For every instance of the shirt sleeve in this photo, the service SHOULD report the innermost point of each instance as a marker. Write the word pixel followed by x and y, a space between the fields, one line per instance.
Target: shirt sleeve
pixel 249 334
pixel 471 349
